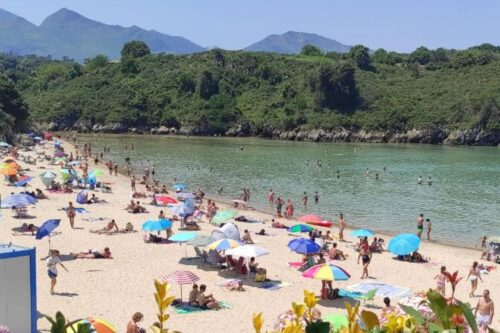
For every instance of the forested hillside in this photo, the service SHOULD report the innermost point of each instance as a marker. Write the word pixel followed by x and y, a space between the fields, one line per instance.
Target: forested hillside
pixel 241 93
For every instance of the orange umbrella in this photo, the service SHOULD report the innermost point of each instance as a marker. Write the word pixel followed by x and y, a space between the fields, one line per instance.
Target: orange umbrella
pixel 97 324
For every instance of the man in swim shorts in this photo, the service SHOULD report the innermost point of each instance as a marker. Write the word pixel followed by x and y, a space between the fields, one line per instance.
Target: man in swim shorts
pixel 486 309
pixel 420 225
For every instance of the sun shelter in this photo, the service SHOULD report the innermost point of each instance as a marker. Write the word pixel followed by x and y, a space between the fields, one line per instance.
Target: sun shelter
pixel 229 231
pixel 18 288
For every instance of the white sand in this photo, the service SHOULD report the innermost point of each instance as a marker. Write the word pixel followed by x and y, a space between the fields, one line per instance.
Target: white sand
pixel 115 289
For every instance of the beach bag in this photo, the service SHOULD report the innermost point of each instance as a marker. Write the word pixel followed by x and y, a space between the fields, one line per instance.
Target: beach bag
pixel 333 293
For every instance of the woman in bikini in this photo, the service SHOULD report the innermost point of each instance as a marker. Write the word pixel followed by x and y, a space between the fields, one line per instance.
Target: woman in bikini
pixel 71 215
pixel 365 255
pixel 474 276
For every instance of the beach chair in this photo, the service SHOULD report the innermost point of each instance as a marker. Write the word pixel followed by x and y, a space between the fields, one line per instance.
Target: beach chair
pixel 369 296
pixel 231 263
pixel 200 254
pixel 240 267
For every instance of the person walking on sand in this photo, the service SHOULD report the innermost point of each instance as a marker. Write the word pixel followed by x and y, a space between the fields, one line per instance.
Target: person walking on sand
pixel 441 279
pixel 486 309
pixel 366 256
pixel 429 228
pixel 342 225
pixel 420 225
pixel 474 276
pixel 132 183
pixel 71 214
pixel 52 261
pixel 132 326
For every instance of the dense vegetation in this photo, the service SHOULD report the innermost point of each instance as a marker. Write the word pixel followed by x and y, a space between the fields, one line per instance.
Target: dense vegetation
pixel 214 91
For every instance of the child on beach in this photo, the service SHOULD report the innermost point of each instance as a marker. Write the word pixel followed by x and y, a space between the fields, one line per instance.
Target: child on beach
pixel 441 279
pixel 52 261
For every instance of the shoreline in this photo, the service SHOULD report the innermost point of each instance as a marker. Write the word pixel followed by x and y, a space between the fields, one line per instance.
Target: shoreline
pixel 227 202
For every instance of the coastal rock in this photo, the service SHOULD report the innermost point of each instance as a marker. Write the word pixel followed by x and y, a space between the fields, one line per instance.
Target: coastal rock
pixel 110 128
pixel 372 136
pixel 316 135
pixel 173 130
pixel 242 129
pixel 342 135
pixel 163 130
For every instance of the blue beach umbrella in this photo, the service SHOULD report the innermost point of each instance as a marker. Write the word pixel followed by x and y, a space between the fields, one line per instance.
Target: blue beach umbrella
pixel 157 225
pixel 18 200
pixel 362 233
pixel 81 197
pixel 46 229
pixel 300 228
pixel 180 186
pixel 23 181
pixel 403 244
pixel 181 237
pixel 303 246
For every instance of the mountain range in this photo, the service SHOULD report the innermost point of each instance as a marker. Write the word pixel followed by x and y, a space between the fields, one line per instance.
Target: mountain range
pixel 67 33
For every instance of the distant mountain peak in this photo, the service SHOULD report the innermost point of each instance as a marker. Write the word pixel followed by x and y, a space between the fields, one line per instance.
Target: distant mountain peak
pixel 293 41
pixel 64 16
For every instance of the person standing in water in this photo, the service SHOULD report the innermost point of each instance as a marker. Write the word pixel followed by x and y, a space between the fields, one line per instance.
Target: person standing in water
pixel 279 206
pixel 429 181
pixel 304 200
pixel 419 180
pixel 342 225
pixel 429 228
pixel 367 172
pixel 338 173
pixel 420 225
pixel 316 198
pixel 52 261
pixel 270 197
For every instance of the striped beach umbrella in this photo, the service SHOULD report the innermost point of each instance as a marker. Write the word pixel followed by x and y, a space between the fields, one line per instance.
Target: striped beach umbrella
pixel 180 278
pixel 327 272
pixel 224 244
pixel 97 325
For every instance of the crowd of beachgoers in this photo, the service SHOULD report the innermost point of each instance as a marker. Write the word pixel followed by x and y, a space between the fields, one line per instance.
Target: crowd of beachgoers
pixel 105 231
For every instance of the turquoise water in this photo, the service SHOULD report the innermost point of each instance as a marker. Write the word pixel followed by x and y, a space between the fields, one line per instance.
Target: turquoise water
pixel 463 202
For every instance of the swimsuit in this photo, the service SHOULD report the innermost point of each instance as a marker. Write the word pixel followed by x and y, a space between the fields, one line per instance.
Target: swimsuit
pixel 483 320
pixel 365 258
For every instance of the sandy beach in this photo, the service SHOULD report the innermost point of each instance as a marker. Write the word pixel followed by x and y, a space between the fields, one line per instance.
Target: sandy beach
pixel 115 289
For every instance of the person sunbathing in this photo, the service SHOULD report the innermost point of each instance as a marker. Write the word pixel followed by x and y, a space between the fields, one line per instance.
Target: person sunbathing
pixel 376 245
pixel 40 194
pixel 278 225
pixel 95 199
pixel 207 301
pixel 235 286
pixel 139 195
pixel 94 254
pixel 138 208
pixel 107 229
pixel 247 239
pixel 164 189
pixel 193 295
pixel 131 205
pixel 336 254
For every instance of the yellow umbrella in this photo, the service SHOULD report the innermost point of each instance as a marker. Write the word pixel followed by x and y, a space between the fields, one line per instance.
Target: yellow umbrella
pixel 224 244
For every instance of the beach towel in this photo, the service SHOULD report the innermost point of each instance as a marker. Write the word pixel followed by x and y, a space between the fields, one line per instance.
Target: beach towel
pixel 273 285
pixel 383 289
pixel 186 308
pixel 226 282
pixel 80 210
pixel 349 294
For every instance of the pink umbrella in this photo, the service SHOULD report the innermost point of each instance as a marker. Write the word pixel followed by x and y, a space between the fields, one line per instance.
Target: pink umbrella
pixel 181 277
pixel 165 199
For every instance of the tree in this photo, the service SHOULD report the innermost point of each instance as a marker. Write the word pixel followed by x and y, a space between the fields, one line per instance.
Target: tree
pixel 99 61
pixel 135 49
pixel 379 56
pixel 12 104
pixel 334 86
pixel 209 85
pixel 218 58
pixel 439 55
pixel 422 55
pixel 186 84
pixel 361 56
pixel 311 50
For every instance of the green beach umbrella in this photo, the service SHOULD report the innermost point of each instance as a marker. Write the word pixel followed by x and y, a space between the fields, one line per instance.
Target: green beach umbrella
pixel 223 216
pixel 300 228
pixel 97 172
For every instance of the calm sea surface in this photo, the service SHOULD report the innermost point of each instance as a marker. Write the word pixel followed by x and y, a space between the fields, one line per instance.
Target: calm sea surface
pixel 463 201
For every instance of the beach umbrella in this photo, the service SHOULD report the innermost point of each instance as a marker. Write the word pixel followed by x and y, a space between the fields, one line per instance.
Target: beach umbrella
pixel 362 233
pixel 4 144
pixel 180 278
pixel 157 225
pixel 8 169
pixel 337 320
pixel 9 159
pixel 97 325
pixel 47 178
pixel 303 246
pixel 180 186
pixel 46 229
pixel 165 199
pixel 81 197
pixel 247 251
pixel 23 181
pixel 38 138
pixel 224 244
pixel 18 200
pixel 403 244
pixel 327 272
pixel 186 195
pixel 200 241
pixel 311 219
pixel 300 228
pixel 223 216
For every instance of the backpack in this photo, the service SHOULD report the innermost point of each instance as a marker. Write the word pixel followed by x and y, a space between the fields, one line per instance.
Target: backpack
pixel 333 293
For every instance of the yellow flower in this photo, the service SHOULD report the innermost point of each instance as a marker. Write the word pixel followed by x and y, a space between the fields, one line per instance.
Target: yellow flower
pixel 298 310
pixel 258 321
pixel 310 299
pixel 293 327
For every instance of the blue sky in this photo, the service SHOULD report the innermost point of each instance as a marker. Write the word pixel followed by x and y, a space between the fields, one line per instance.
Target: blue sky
pixel 400 25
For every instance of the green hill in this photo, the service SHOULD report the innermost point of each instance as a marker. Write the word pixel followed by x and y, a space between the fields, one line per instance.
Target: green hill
pixel 426 96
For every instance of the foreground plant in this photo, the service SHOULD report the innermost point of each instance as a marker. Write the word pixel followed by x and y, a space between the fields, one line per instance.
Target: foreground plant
pixel 61 325
pixel 163 301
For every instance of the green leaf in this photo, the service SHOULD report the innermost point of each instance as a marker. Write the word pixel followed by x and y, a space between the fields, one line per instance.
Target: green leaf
pixel 414 313
pixel 370 319
pixel 469 316
pixel 440 307
pixel 318 327
pixel 433 328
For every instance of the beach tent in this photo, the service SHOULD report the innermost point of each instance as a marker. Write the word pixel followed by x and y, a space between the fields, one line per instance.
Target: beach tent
pixel 81 197
pixel 229 231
